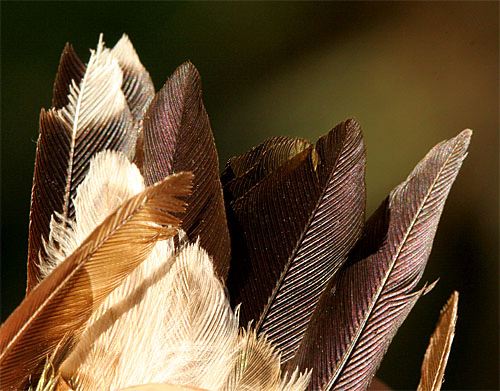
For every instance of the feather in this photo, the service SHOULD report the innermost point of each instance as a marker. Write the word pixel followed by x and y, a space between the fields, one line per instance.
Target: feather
pixel 137 86
pixel 71 69
pixel 257 367
pixel 110 181
pixel 245 171
pixel 61 304
pixel 190 341
pixel 160 387
pixel 366 302
pixel 293 230
pixel 177 137
pixel 436 355
pixel 96 118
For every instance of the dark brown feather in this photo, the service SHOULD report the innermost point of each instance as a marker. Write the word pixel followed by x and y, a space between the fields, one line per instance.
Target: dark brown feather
pixel 59 306
pixel 245 171
pixel 65 146
pixel 71 68
pixel 366 302
pixel 293 230
pixel 177 137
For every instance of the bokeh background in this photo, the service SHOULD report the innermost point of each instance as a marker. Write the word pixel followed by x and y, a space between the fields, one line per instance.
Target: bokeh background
pixel 411 73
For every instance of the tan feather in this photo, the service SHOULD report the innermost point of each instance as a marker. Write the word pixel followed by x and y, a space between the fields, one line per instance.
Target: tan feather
pixel 137 87
pixel 61 304
pixel 257 367
pixel 111 180
pixel 176 327
pixel 160 387
pixel 436 356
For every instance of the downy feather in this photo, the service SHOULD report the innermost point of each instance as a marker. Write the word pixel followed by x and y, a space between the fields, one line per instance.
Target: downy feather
pixel 293 230
pixel 366 302
pixel 178 137
pixel 436 355
pixel 176 328
pixel 61 304
pixel 96 118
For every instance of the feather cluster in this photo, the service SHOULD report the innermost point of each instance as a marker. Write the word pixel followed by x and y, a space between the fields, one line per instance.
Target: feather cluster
pixel 148 271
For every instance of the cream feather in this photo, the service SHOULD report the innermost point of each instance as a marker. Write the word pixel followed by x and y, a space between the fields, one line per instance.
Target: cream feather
pixel 111 180
pixel 257 367
pixel 177 327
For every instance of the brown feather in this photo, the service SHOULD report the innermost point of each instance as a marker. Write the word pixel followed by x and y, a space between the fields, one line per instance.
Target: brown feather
pixel 293 230
pixel 71 68
pixel 436 356
pixel 366 302
pixel 68 139
pixel 178 137
pixel 60 305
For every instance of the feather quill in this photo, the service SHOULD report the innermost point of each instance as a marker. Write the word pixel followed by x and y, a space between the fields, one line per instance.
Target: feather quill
pixel 366 302
pixel 96 118
pixel 436 355
pixel 293 230
pixel 61 304
pixel 177 137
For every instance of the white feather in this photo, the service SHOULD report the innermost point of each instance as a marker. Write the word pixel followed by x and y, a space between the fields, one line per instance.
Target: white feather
pixel 99 96
pixel 126 55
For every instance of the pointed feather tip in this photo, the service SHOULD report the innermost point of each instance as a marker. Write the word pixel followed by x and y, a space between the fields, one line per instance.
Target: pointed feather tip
pixel 126 54
pixel 185 74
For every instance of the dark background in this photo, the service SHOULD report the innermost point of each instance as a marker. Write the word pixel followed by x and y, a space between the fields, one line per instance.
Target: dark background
pixel 411 73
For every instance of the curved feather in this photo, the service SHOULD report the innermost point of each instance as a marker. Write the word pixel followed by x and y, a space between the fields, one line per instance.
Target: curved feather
pixel 292 232
pixel 177 137
pixel 366 302
pixel 175 327
pixel 110 181
pixel 436 355
pixel 71 69
pixel 61 304
pixel 96 118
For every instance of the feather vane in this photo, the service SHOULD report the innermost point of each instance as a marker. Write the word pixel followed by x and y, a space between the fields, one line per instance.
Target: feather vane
pixel 312 214
pixel 61 304
pixel 178 137
pixel 367 301
pixel 96 118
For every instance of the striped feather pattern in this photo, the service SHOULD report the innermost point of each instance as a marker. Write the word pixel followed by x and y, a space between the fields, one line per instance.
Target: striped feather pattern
pixel 178 137
pixel 96 118
pixel 367 301
pixel 292 232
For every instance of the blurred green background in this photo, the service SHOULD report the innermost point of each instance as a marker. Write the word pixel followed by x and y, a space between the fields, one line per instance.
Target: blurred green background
pixel 411 73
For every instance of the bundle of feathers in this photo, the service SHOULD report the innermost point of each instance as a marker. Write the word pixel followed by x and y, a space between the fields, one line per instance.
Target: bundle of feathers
pixel 149 271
